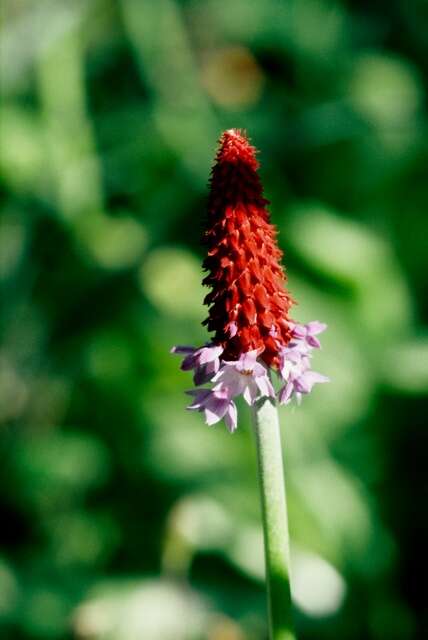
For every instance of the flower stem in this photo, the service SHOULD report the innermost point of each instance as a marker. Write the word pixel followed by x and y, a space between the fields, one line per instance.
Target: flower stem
pixel 275 524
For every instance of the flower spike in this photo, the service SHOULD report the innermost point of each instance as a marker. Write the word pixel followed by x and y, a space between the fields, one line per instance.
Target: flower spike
pixel 248 305
pixel 248 298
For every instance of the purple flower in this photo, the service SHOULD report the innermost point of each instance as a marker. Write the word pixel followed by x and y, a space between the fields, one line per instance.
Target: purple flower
pixel 293 361
pixel 205 361
pixel 215 404
pixel 248 376
pixel 245 376
pixel 305 382
pixel 306 333
pixel 296 372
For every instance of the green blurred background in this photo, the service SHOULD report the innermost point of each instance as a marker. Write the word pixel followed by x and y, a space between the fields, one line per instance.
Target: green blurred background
pixel 123 516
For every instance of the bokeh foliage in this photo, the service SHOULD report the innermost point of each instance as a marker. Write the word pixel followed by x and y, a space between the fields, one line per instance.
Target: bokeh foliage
pixel 123 516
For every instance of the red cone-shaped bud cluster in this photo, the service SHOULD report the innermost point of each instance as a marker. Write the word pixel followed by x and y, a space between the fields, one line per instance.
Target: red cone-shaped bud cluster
pixel 248 302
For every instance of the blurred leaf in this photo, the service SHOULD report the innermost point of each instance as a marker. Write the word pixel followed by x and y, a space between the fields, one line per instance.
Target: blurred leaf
pixel 155 609
pixel 9 591
pixel 115 243
pixel 59 466
pixel 385 90
pixel 405 366
pixel 318 588
pixel 171 279
pixel 352 255
pixel 22 152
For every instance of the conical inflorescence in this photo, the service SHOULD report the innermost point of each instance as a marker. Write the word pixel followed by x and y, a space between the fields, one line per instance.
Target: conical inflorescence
pixel 248 302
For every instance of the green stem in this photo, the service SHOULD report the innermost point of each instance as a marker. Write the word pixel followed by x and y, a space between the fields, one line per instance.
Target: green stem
pixel 275 524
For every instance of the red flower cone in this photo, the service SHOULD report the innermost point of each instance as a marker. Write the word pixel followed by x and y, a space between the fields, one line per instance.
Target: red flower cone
pixel 248 303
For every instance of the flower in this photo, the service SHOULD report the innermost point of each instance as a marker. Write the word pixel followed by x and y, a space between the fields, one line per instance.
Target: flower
pixel 244 376
pixel 216 404
pixel 205 361
pixel 248 296
pixel 308 333
pixel 248 305
pixel 294 368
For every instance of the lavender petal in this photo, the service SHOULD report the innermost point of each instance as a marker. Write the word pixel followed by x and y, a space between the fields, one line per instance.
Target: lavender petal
pixel 231 417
